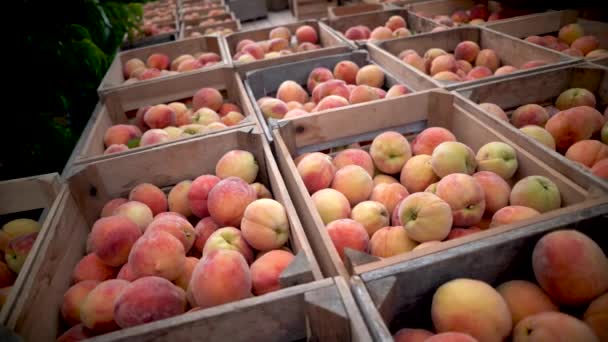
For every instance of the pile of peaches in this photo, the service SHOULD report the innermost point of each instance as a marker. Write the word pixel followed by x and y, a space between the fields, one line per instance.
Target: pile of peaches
pixel 161 123
pixel 572 271
pixel 146 261
pixel 159 64
pixel 209 21
pixel 347 84
pixel 279 44
pixel 212 30
pixel 475 15
pixel 572 41
pixel 395 26
pixel 467 62
pixel 400 196
pixel 194 15
pixel 573 127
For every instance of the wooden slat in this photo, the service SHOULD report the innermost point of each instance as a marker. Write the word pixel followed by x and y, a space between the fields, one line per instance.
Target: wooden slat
pixel 340 11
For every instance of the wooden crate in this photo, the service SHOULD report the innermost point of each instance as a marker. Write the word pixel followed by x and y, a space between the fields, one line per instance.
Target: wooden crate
pixel 266 82
pixel 374 19
pixel 148 41
pixel 36 198
pixel 549 23
pixel 330 44
pixel 233 24
pixel 91 186
pixel 541 88
pixel 340 11
pixel 114 78
pixel 511 51
pixel 400 296
pixel 118 103
pixel 311 9
pixel 348 125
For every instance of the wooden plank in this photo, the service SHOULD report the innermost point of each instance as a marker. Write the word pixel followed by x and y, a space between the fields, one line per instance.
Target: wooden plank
pixel 326 315
pixel 360 333
pixel 373 319
pixel 340 11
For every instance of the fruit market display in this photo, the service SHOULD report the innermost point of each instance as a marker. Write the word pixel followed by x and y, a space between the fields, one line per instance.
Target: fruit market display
pixel 212 30
pixel 570 271
pixel 156 20
pixel 212 240
pixel 571 126
pixel 281 41
pixel 402 196
pixel 206 111
pixel 395 26
pixel 571 40
pixel 475 15
pixel 192 14
pixel 159 64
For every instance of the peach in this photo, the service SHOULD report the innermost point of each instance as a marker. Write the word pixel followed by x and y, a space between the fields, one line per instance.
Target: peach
pixel 573 52
pixel 154 136
pixel 280 32
pixel 7 278
pixel 347 233
pixel 586 44
pixel 254 49
pixel 278 44
pixel 111 239
pixel 433 53
pixel 221 277
pixel 395 22
pixel 415 61
pixel 406 52
pixel 177 226
pixel 568 127
pixel 306 46
pixel 306 33
pixel 488 58
pixel 261 190
pixel 346 71
pixel 536 192
pixel 397 90
pixel 552 326
pixel 511 214
pixel 73 299
pixel 330 87
pixel 199 192
pixel 228 107
pixel 76 333
pixel 533 64
pixel 356 33
pixel 184 278
pixel 228 200
pixel 384 179
pixel 390 241
pixel 291 91
pixel 539 134
pixel 472 307
pixel 209 58
pixel 267 269
pixel 353 156
pixel 587 152
pixel 402 32
pixel 131 65
pixel 426 141
pixel 467 203
pixel 192 129
pixel 363 93
pixel 575 97
pixel 158 60
pixel 504 70
pixel 246 58
pixel 205 116
pixel 443 63
pixel 596 316
pixel 294 113
pixel 447 76
pixel 427 244
pixel 115 149
pixel 178 198
pixel 97 310
pixel 237 163
pixel 120 134
pixel 478 72
pixel 453 157
pixel 495 188
pixel 389 195
pixel 148 299
pixel 331 205
pixel 536 40
pixel 371 215
pixel 204 228
pixel 600 168
pixel 463 66
pixel 274 108
pixel 570 267
pixel 228 238
pixel 265 225
pixel 126 273
pixel 291 105
pixel 425 217
pixel 494 110
pixel 417 173
pixel 354 183
pixel 456 233
pixel 157 253
pixel 173 132
pixel 207 97
pixel 137 212
pixel 18 250
pixel 597 53
pixel 150 195
pixel 460 16
pixel 569 33
pixel 148 74
pixel 189 65
pixel 466 50
pixel 91 267
pixel 525 299
pixel 412 335
pixel 381 33
pixel 214 126
pixel 390 150
pixel 319 75
pixel 317 171
pixel 497 157
pixel 111 205
pixel 452 336
pixel 177 61
pixel 370 75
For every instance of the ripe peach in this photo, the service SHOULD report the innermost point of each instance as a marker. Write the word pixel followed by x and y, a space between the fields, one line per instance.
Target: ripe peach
pixel 425 217
pixel 183 116
pixel 586 44
pixel 426 141
pixel 150 195
pixel 131 65
pixel 575 97
pixel 389 195
pixel 488 58
pixel 433 53
pixel 600 168
pixel 356 33
pixel 443 63
pixel 280 32
pixel 569 33
pixel 121 134
pixel 570 267
pixel 158 60
pixel 494 110
pixel 453 157
pixel 232 119
pixel 189 65
pixel 460 16
pixel 363 93
pixel 274 108
pixel 228 238
pixel 177 61
pixel 472 307
pixel 115 149
pixel 596 317
pixel 496 190
pixel 504 70
pixel 137 212
pixel 221 277
pixel 536 192
pixel 497 157
pixel 452 336
pixel 291 105
pixel 177 226
pixel 204 228
pixel 389 241
pixel 587 152
pixel 306 33
pixel 111 239
pixel 353 182
pixel 111 205
pixel 73 299
pixel 294 113
pixel 254 49
pixel 511 214
pixel 157 253
pixel 207 97
pixel 291 91
pixel 317 171
pixel 199 192
pixel 478 72
pixel 205 116
pixel 237 163
pixel 148 74
pixel 463 65
pixel 331 87
pixel 573 52
pixel 265 225
pixel 354 156
pixel 319 75
pixel 397 90
pixel 331 102
pixel 381 33
pixel 267 269
pixel 246 58
pixel 402 32
pixel 395 22
pixel 278 44
pixel 97 310
pixel 347 233
pixel 228 199
pixel 370 75
pixel 126 273
pixel 209 58
pixel 552 326
pixel 456 233
pixel 228 107
pixel 466 50
pixel 412 335
pixel 91 267
pixel 417 173
pixel 539 134
pixel 371 215
pixel 331 205
pixel 427 244
pixel 567 127
pixel 154 136
pixel 467 203
pixel 415 61
pixel 447 76
pixel 390 150
pixel 306 46
pixel 346 71
pixel 525 299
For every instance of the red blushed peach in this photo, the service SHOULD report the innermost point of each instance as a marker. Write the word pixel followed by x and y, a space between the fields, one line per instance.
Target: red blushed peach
pixel 443 63
pixel 199 192
pixel 111 239
pixel 488 58
pixel 183 116
pixel 495 188
pixel 184 278
pixel 504 70
pixel 97 310
pixel 447 76
pixel 494 110
pixel 460 16
pixel 306 46
pixel 309 106
pixel 596 317
pixel 525 299
pixel 189 65
pixel 306 33
pixel 237 163
pixel 536 192
pixel 568 127
pixel 347 233
pixel 390 150
pixel 291 105
pixel 207 97
pixel 137 212
pixel 254 49
pixel 406 52
pixel 381 33
pixel 178 198
pixel 228 200
pixel 227 107
pixel 536 40
pixel 204 228
pixel 111 205
pixel 456 233
pixel 228 238
pixel 121 134
pixel 266 270
pixel 76 333
pixel 600 168
pixel 150 195
pixel 274 108
pixel 115 149
pixel 511 214
pixel 397 90
pixel 363 93
pixel 431 54
pixel 148 299
pixel 370 75
pixel 464 66
pixel 586 44
pixel 221 277
pixel 466 50
pixel 209 57
pixel 587 152
pixel 158 254
pixel 177 226
pixel 468 202
pixel 278 44
pixel 160 116
pixel 92 268
pixel 132 65
pixel 412 335
pixel 389 195
pixel 159 61
pixel 148 74
pixel 355 33
pixel 417 173
pixel 478 72
pixel 395 22
pixel 425 217
pixel 265 225
pixel 575 97
pixel 280 32
pixel 346 71
pixel 354 183
pixel 415 61
pixel 154 136
pixel 533 64
pixel 73 299
pixel 241 44
pixel 317 171
pixel 331 205
pixel 427 140
pixel 372 215
pixel 177 61
pixel 390 241
pixel 552 326
pixel 126 273
pixel 318 76
pixel 291 91
pixel 354 156
pixel 328 88
pixel 261 190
